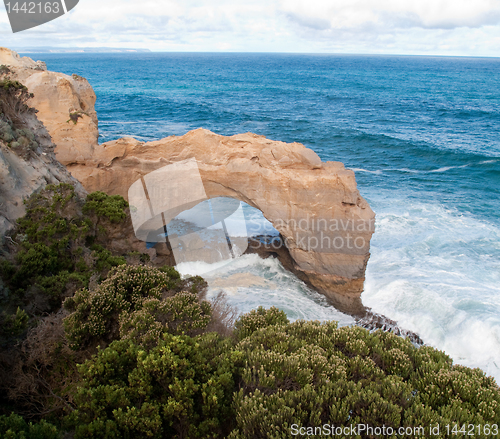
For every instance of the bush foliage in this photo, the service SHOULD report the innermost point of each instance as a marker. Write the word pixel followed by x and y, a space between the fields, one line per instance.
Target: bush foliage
pixel 15 427
pixel 311 374
pixel 135 302
pixel 134 352
pixel 181 388
pixel 56 253
pixel 14 114
pixel 14 98
pixel 274 374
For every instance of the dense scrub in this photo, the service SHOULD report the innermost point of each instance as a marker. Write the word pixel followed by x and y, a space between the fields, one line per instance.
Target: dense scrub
pixel 57 248
pixel 180 388
pixel 15 427
pixel 95 347
pixel 311 374
pixel 271 375
pixel 134 302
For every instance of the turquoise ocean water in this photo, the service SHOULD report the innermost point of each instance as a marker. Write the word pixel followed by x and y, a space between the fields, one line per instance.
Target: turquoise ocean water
pixel 421 133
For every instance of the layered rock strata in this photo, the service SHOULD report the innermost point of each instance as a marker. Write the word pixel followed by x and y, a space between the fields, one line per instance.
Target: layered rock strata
pixel 65 106
pixel 56 95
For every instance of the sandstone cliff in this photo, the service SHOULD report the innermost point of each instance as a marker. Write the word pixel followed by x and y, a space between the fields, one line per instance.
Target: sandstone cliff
pixel 21 176
pixel 65 104
pixel 56 97
pixel 324 223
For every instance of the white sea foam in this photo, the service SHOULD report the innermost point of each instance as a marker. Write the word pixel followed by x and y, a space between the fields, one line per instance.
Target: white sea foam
pixel 250 282
pixel 376 172
pixel 431 171
pixel 438 273
pixel 447 168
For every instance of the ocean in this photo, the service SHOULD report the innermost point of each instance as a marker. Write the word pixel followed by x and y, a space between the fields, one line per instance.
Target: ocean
pixel 421 133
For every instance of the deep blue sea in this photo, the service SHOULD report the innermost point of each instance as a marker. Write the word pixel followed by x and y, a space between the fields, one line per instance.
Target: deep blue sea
pixel 421 133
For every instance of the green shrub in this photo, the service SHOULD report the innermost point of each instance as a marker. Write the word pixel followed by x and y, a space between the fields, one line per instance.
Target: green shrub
pixel 134 302
pixel 73 117
pixel 181 388
pixel 14 114
pixel 49 236
pixel 258 318
pixel 43 374
pixel 54 256
pixel 13 325
pixel 311 374
pixel 13 102
pixel 15 427
pixel 104 259
pixel 4 69
pixel 20 140
pixel 102 205
pixel 304 373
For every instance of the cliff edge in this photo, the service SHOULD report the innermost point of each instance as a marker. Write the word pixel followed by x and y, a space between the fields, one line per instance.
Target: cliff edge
pixel 27 159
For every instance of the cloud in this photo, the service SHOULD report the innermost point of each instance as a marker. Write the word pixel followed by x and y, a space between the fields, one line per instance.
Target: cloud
pixel 356 26
pixel 383 15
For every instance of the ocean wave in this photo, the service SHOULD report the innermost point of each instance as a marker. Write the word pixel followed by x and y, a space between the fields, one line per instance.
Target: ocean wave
pixel 250 281
pixel 430 171
pixel 437 272
pixel 376 172
pixel 417 171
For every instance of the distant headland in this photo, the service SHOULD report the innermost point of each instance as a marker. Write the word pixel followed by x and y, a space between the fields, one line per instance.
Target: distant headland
pixel 48 49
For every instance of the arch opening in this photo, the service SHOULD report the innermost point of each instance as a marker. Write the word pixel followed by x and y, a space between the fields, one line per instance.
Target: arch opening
pixel 214 231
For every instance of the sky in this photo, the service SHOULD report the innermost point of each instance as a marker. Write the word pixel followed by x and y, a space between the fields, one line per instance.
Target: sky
pixel 405 27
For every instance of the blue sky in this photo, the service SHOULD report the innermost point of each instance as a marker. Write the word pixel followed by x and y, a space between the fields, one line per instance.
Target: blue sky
pixel 413 27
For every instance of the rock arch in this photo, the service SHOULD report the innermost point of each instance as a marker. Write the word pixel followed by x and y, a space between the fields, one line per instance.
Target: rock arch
pixel 325 224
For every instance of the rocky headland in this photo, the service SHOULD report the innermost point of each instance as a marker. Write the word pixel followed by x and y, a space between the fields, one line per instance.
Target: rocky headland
pixel 325 225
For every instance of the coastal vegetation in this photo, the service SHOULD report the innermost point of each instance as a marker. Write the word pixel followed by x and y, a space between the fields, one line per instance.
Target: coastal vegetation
pixel 74 116
pixel 106 345
pixel 14 109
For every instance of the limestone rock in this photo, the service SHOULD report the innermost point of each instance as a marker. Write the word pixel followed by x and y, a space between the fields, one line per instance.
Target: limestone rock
pixel 20 177
pixel 10 58
pixel 65 106
pixel 325 224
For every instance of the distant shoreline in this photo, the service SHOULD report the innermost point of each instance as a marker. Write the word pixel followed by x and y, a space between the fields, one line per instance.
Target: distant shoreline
pixel 80 50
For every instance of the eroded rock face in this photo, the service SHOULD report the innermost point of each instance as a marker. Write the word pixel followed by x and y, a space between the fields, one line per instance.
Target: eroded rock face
pixel 65 106
pixel 22 176
pixel 56 96
pixel 10 58
pixel 324 222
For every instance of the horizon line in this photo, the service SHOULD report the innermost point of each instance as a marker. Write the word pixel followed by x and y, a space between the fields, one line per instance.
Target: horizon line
pixel 108 50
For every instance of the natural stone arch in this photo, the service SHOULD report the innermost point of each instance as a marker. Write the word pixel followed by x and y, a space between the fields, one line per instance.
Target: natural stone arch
pixel 324 222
